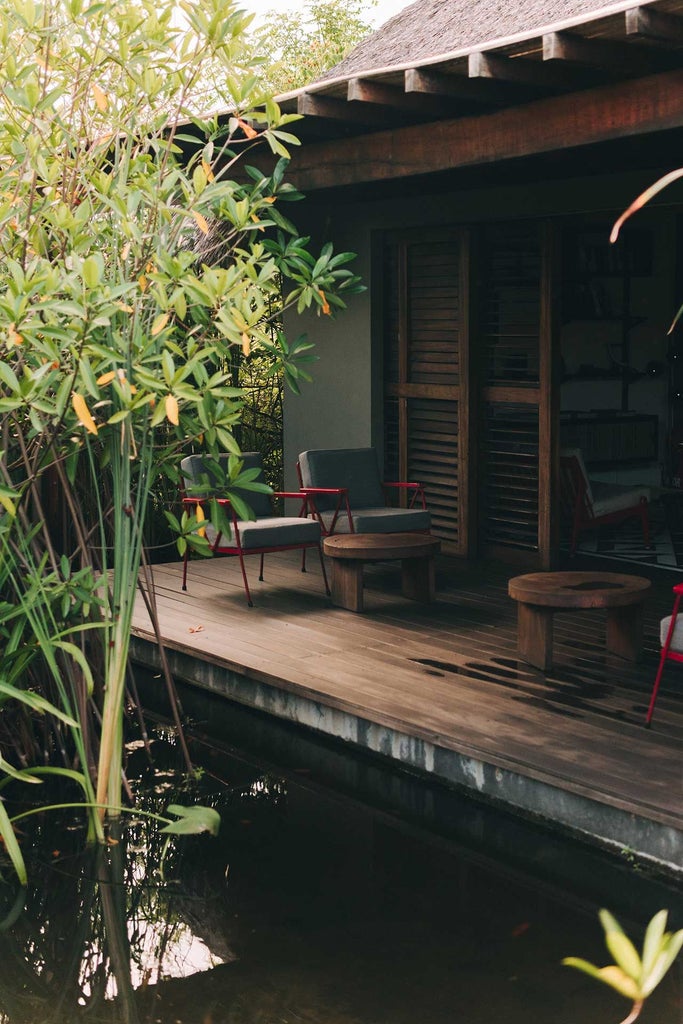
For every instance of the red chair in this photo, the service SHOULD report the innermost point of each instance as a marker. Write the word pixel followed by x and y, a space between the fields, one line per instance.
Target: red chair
pixel 588 504
pixel 671 639
pixel 264 533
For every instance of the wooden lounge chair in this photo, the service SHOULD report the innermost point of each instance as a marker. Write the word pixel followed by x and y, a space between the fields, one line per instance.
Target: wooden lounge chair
pixel 264 533
pixel 588 504
pixel 346 495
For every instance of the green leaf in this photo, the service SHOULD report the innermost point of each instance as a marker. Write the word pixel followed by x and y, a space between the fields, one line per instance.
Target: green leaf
pixel 36 703
pixel 21 774
pixel 93 268
pixel 624 953
pixel 582 965
pixel 80 659
pixel 193 820
pixel 9 378
pixel 609 922
pixel 12 846
pixel 240 506
pixel 652 941
pixel 670 951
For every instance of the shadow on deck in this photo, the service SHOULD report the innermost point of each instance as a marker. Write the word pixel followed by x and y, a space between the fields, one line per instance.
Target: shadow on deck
pixel 440 690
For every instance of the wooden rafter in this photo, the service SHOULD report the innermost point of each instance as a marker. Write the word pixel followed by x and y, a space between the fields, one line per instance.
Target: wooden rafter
pixel 339 110
pixel 363 90
pixel 532 73
pixel 484 91
pixel 654 25
pixel 616 111
pixel 623 58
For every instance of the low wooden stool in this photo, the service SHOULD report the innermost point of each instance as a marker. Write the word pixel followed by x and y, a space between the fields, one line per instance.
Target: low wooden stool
pixel 350 551
pixel 541 594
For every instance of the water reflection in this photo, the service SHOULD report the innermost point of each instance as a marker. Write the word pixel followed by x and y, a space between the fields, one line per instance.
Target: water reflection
pixel 307 907
pixel 98 929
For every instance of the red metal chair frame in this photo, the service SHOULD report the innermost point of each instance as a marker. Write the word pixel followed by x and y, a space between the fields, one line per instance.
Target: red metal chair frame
pixel 666 653
pixel 579 507
pixel 236 548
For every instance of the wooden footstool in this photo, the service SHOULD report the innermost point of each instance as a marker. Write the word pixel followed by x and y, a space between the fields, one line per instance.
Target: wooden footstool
pixel 350 551
pixel 541 594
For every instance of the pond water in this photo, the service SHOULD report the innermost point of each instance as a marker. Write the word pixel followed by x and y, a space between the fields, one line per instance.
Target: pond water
pixel 312 905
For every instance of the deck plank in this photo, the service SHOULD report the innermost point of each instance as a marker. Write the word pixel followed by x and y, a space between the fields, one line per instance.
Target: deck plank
pixel 447 672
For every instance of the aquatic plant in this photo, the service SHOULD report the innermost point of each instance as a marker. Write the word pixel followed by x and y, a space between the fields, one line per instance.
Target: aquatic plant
pixel 116 333
pixel 634 975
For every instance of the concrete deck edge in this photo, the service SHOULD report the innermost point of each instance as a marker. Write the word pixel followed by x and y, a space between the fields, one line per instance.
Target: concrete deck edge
pixel 596 822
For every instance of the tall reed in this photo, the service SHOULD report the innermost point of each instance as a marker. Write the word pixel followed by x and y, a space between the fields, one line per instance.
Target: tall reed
pixel 117 335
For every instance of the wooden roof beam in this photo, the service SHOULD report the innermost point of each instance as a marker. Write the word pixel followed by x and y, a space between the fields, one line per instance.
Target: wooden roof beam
pixel 534 74
pixel 484 91
pixel 365 90
pixel 555 124
pixel 654 25
pixel 314 105
pixel 622 58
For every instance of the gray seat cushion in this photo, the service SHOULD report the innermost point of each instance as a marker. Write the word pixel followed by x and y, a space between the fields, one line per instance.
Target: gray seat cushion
pixel 276 531
pixel 380 520
pixel 609 498
pixel 273 532
pixel 677 638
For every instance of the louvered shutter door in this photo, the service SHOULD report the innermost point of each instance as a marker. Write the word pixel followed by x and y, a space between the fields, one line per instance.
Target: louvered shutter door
pixel 422 334
pixel 509 358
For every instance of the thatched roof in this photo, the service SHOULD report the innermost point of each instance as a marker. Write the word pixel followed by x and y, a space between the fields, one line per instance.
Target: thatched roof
pixel 430 28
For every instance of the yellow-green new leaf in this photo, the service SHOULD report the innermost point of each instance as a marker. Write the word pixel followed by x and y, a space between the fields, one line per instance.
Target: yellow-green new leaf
pixel 7 503
pixel 670 948
pixel 653 941
pixel 92 271
pixel 620 981
pixel 624 953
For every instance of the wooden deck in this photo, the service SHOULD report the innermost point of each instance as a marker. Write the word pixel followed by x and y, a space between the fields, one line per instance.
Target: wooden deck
pixel 440 687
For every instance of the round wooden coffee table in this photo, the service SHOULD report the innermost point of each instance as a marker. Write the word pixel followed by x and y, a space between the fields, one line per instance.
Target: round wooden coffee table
pixel 350 551
pixel 541 594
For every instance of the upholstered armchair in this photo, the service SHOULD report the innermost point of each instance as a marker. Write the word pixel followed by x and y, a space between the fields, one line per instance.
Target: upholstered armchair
pixel 589 504
pixel 266 532
pixel 346 494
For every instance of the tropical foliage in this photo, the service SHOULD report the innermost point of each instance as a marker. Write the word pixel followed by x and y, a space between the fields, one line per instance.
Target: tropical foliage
pixel 117 333
pixel 634 975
